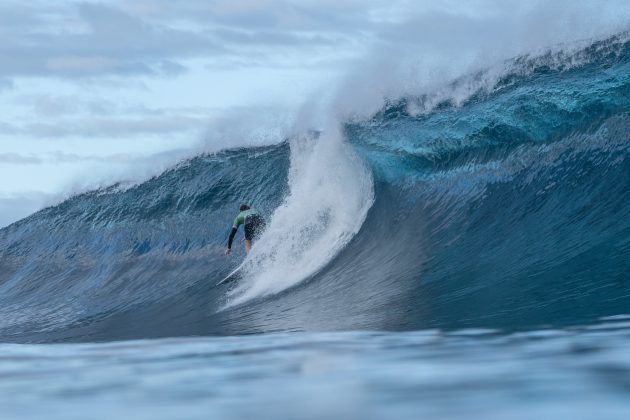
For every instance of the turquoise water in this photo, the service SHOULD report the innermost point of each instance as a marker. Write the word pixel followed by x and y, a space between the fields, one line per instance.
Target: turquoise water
pixel 577 372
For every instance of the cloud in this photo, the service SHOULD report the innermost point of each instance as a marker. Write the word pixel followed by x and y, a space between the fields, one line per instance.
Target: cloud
pixel 103 41
pixel 154 38
pixel 47 105
pixel 60 116
pixel 113 127
pixel 15 207
pixel 8 129
pixel 19 159
pixel 303 16
pixel 5 84
pixel 58 105
pixel 106 127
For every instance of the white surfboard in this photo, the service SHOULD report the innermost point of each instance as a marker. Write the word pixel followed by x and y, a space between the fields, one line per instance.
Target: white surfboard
pixel 232 273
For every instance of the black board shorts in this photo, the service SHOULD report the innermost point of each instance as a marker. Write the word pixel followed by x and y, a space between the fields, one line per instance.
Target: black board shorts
pixel 254 225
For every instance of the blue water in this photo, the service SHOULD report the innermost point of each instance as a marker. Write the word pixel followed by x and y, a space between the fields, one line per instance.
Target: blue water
pixel 486 277
pixel 579 373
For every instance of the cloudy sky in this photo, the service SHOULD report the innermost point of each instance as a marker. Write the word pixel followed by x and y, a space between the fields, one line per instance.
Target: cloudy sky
pixel 93 91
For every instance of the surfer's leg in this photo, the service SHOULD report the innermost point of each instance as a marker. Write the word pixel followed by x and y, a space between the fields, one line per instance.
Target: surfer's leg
pixel 249 235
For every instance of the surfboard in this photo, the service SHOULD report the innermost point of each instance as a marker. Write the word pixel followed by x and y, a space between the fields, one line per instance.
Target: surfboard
pixel 232 275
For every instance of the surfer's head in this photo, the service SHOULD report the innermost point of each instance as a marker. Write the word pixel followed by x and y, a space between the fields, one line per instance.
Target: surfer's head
pixel 244 207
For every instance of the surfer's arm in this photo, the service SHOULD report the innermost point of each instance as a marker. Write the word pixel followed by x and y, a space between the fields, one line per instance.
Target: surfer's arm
pixel 231 238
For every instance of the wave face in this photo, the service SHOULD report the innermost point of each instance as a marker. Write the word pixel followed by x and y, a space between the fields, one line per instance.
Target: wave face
pixel 509 211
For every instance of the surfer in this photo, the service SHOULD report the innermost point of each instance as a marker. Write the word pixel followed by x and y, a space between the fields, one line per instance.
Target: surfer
pixel 254 225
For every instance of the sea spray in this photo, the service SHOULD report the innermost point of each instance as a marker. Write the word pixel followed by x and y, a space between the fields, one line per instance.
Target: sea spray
pixel 330 192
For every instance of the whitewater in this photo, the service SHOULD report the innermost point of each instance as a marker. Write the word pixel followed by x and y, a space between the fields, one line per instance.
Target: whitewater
pixel 454 247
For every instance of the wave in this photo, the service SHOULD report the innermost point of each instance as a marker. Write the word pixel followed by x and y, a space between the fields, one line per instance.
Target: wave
pixel 507 209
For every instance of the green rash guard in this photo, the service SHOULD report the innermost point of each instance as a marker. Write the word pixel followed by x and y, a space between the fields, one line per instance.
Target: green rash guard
pixel 240 219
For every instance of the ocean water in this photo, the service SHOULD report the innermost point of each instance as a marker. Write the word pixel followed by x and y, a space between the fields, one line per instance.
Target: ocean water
pixel 580 372
pixel 441 258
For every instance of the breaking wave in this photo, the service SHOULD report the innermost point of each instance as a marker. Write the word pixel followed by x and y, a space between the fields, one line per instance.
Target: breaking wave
pixel 507 209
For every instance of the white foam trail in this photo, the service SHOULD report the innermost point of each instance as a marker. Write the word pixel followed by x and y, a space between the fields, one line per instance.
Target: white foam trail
pixel 330 194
